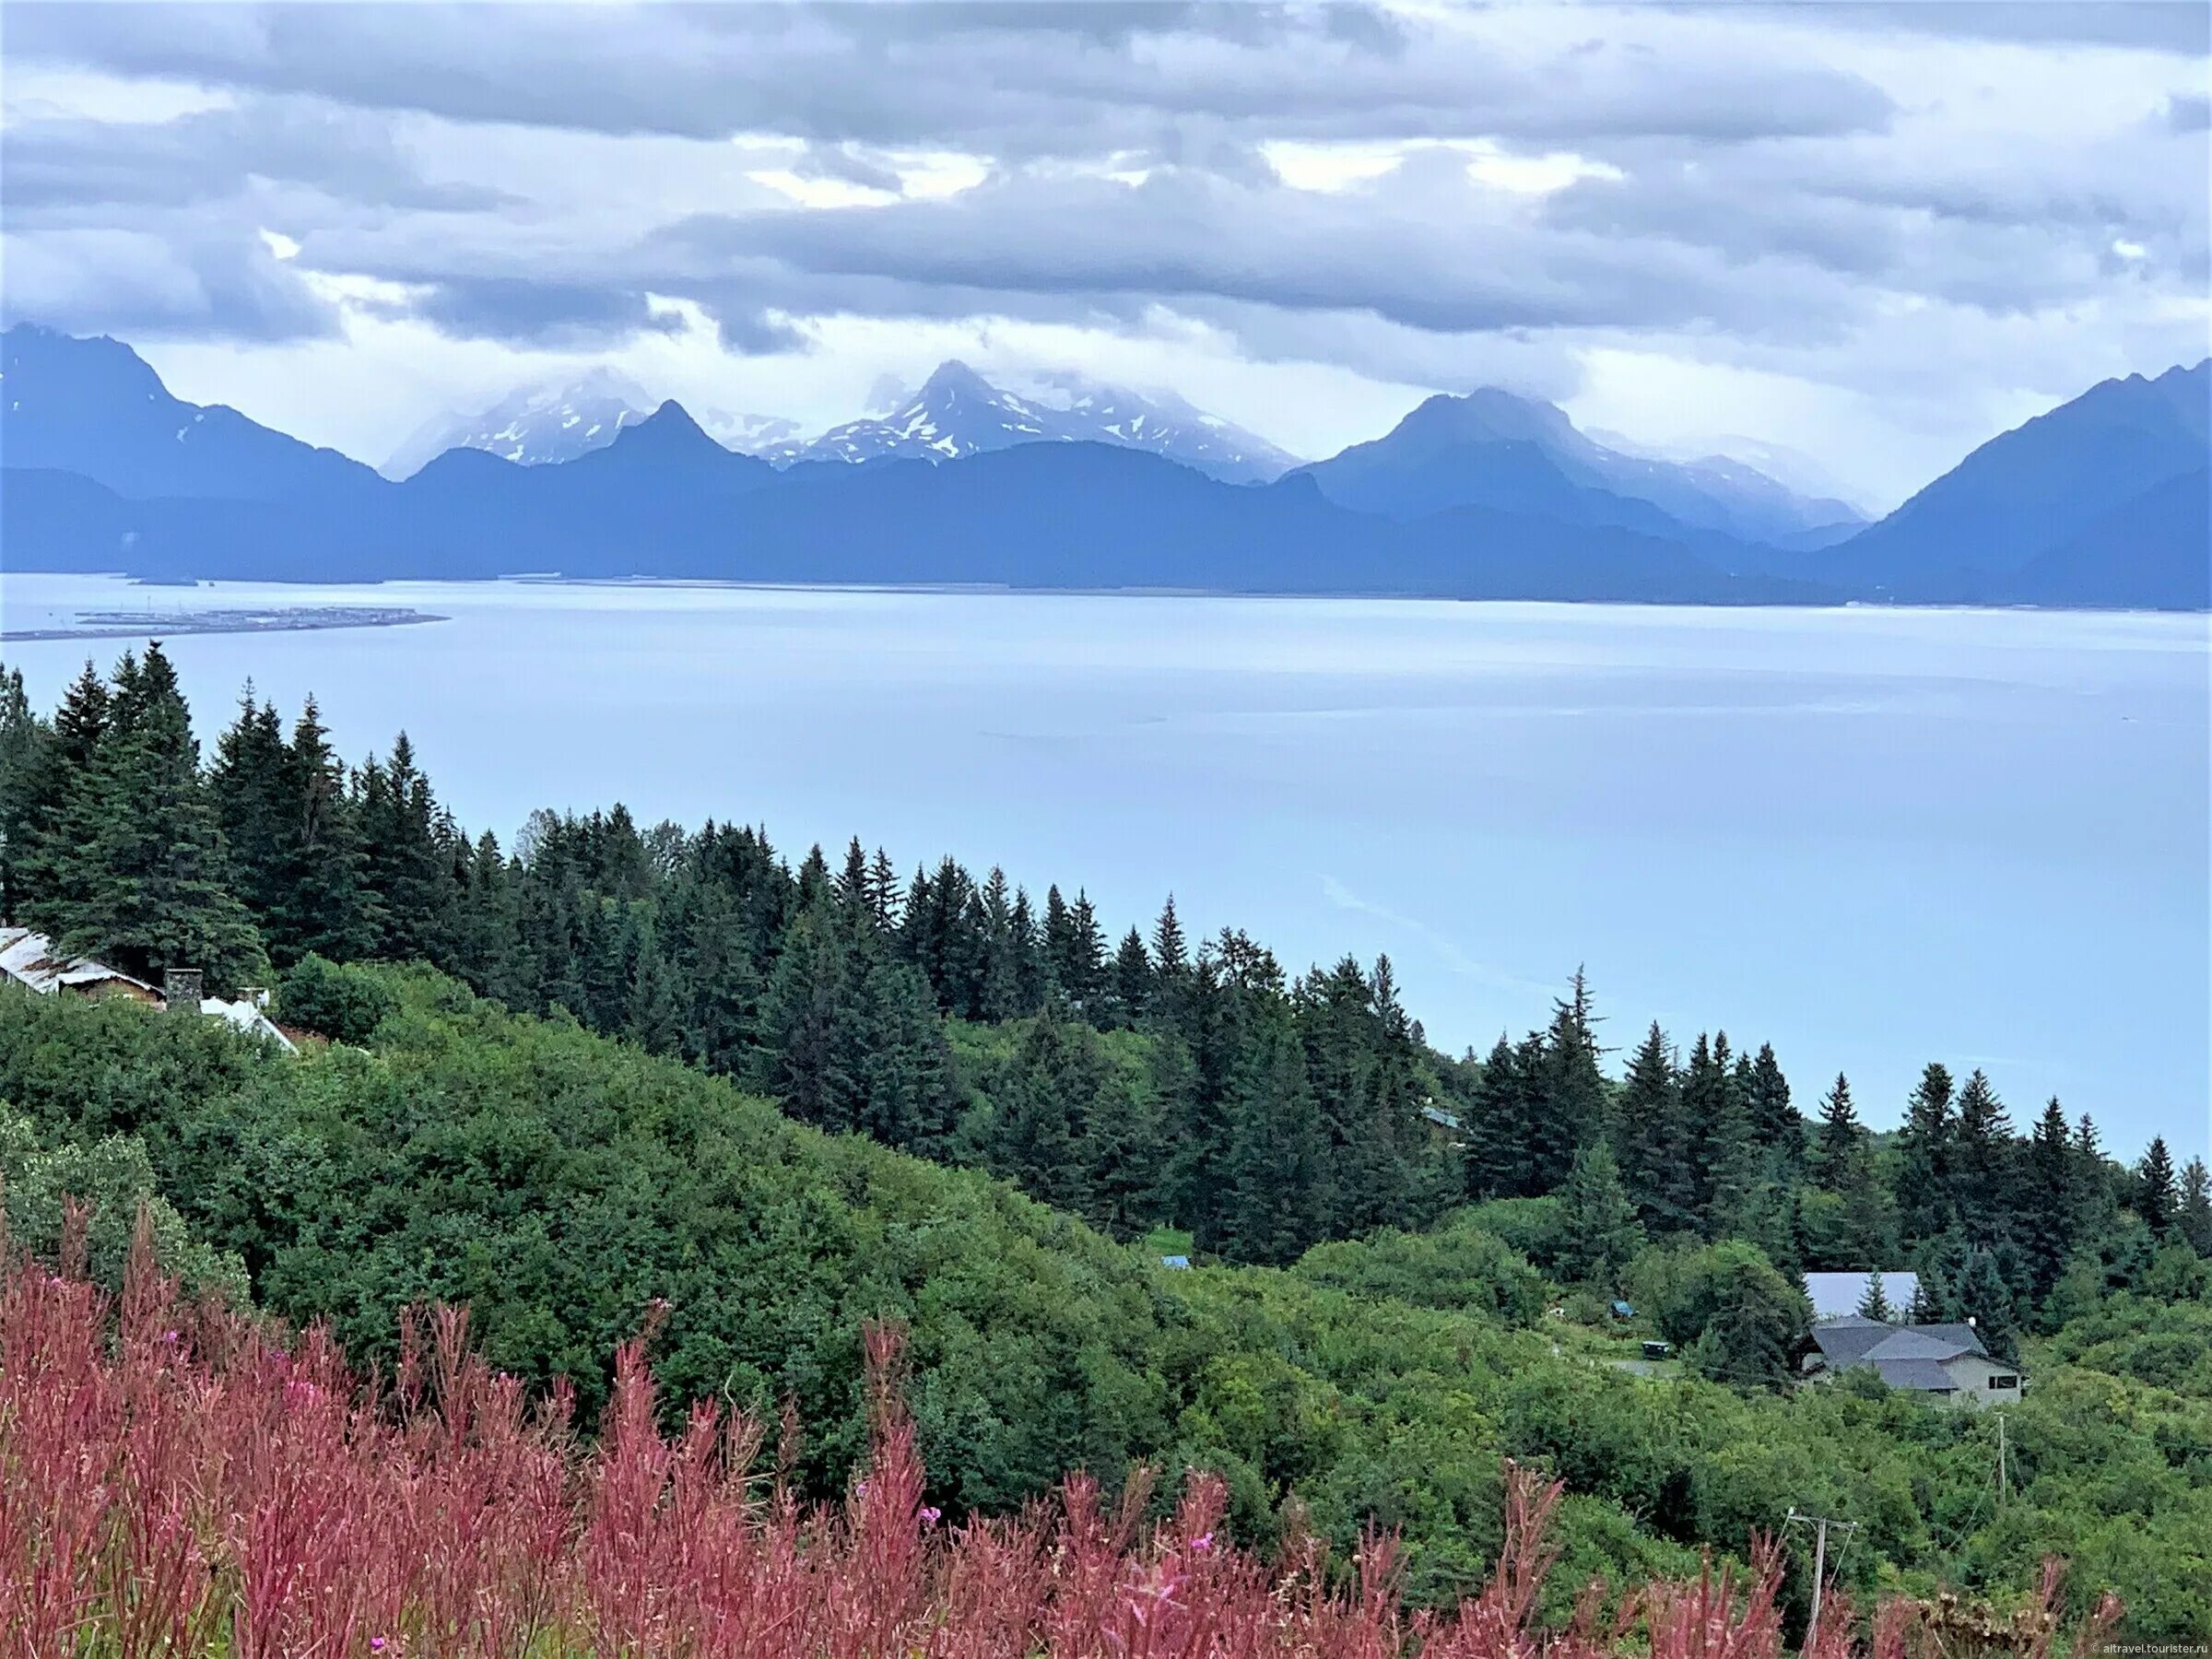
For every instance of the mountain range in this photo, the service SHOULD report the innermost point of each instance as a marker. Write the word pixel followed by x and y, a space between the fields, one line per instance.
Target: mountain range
pixel 953 414
pixel 2100 503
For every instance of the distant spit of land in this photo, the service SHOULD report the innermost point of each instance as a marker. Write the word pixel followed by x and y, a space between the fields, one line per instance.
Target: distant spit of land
pixel 133 624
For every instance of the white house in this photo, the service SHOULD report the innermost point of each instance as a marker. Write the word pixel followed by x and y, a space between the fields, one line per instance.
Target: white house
pixel 1946 1362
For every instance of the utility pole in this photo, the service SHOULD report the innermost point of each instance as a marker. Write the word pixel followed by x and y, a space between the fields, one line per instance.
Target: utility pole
pixel 1820 1523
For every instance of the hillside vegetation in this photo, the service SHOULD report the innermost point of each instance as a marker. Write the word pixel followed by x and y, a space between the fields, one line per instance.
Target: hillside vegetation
pixel 563 1187
pixel 654 1076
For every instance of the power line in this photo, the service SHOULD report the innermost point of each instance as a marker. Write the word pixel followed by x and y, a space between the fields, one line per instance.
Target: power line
pixel 1821 1523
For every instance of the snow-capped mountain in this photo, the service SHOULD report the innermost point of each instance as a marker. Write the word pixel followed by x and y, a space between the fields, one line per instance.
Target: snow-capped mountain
pixel 541 426
pixel 958 413
pixel 536 425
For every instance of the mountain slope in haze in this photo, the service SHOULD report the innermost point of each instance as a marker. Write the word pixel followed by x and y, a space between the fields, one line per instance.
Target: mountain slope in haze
pixel 94 407
pixel 1494 448
pixel 535 426
pixel 547 425
pixel 2043 487
pixel 956 413
pixel 1073 515
pixel 2152 552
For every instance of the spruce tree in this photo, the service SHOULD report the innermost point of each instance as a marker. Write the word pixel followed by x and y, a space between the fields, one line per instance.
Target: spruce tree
pixel 2195 1216
pixel 1656 1165
pixel 654 1018
pixel 2155 1198
pixel 1274 1203
pixel 1984 1300
pixel 810 1044
pixel 247 783
pixel 884 905
pixel 905 1068
pixel 56 809
pixel 1083 971
pixel 1931 1302
pixel 1133 980
pixel 1496 1122
pixel 1926 1198
pixel 1171 959
pixel 851 884
pixel 24 790
pixel 325 905
pixel 402 863
pixel 1000 996
pixel 1575 1110
pixel 1773 1119
pixel 2053 1211
pixel 1982 1164
pixel 1873 1302
pixel 1041 1111
pixel 1032 981
pixel 1599 1226
pixel 1731 1163
pixel 1123 1151
pixel 157 893
pixel 1839 1144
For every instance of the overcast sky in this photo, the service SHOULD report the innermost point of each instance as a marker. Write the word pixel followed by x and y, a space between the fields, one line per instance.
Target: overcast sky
pixel 1872 233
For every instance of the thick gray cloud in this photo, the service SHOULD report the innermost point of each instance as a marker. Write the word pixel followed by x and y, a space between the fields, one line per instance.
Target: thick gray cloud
pixel 64 169
pixel 1426 254
pixel 1007 80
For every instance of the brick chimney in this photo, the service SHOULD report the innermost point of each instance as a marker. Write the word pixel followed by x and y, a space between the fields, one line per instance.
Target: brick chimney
pixel 180 990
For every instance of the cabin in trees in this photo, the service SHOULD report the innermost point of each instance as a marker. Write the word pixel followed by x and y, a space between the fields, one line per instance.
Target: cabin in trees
pixel 28 958
pixel 1946 1362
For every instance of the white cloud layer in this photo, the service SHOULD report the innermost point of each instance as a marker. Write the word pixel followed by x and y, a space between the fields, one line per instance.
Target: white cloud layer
pixel 1872 233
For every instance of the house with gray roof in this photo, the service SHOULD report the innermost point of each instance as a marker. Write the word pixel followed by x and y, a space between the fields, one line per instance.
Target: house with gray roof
pixel 1946 1362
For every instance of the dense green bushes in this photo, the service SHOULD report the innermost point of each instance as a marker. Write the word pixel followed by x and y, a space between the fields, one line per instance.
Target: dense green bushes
pixel 559 1183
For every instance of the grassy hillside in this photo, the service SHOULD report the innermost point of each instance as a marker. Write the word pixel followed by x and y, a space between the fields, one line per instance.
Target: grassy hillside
pixel 559 1183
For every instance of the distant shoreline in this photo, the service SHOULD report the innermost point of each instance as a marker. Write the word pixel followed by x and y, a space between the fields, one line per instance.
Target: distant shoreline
pixel 125 625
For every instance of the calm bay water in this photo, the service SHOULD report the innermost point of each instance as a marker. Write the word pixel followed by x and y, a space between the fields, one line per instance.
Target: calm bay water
pixel 1875 838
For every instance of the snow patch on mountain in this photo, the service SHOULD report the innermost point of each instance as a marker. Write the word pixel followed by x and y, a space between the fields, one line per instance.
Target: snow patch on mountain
pixel 956 413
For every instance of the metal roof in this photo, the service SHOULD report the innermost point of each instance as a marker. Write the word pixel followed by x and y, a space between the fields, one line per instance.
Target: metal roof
pixel 246 1018
pixel 28 958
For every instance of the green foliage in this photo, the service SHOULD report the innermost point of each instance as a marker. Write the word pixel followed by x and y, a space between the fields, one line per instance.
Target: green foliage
pixel 345 1005
pixel 559 1182
pixel 561 1171
pixel 1457 1268
pixel 113 1181
pixel 1600 1231
pixel 1737 1319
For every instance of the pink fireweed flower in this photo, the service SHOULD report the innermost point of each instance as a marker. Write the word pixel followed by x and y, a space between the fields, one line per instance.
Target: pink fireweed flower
pixel 1201 1543
pixel 931 1515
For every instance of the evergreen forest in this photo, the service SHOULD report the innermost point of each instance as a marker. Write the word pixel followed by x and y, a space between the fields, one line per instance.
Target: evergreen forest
pixel 620 1072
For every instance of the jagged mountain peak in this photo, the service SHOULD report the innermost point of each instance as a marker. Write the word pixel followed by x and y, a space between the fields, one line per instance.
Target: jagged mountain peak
pixel 537 425
pixel 958 412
